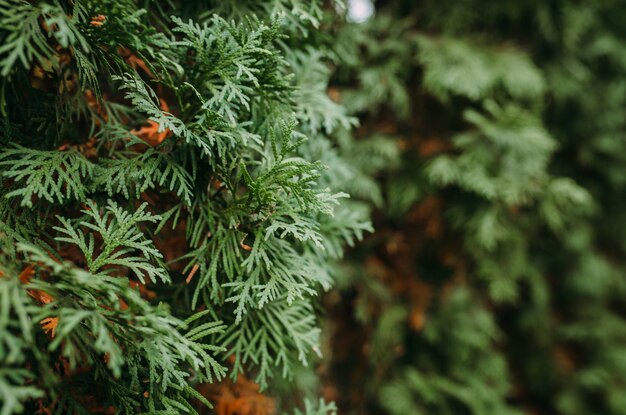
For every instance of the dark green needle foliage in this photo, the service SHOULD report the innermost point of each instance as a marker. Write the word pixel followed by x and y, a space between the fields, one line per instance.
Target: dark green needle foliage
pixel 173 199
pixel 496 284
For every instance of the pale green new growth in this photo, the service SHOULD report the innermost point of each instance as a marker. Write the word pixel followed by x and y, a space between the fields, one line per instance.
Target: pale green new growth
pixel 123 245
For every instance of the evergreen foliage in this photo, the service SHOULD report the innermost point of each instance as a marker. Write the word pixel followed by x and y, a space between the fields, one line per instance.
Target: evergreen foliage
pixel 172 200
pixel 179 181
pixel 495 281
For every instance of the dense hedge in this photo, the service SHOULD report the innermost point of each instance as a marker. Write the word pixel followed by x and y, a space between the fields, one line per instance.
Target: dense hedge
pixel 495 281
pixel 180 179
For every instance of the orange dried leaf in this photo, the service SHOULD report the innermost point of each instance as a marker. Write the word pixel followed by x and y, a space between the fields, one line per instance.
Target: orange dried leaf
pixel 41 296
pixel 96 106
pixel 49 325
pixel 27 273
pixel 134 61
pixel 193 271
pixel 151 133
pixel 334 94
pixel 143 290
pixel 98 20
pixel 240 398
pixel 417 319
pixel 429 147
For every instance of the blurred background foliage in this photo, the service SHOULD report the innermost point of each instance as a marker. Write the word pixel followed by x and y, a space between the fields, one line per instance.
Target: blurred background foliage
pixel 495 280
